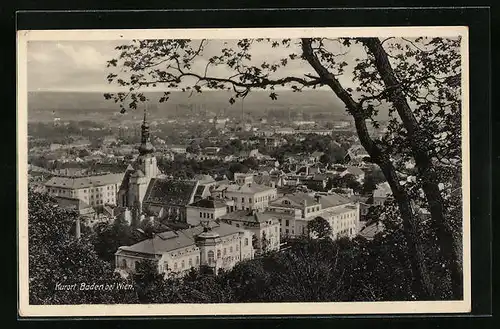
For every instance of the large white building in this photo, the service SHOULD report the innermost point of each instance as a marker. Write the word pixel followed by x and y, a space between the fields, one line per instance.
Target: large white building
pixel 97 190
pixel 205 209
pixel 245 193
pixel 265 228
pixel 208 247
pixel 296 210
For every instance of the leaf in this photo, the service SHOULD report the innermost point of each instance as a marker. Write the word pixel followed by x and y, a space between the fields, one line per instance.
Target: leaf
pixel 112 62
pixel 273 96
pixel 231 100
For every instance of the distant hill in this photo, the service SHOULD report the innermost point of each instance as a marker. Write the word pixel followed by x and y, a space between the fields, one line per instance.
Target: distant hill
pixel 215 101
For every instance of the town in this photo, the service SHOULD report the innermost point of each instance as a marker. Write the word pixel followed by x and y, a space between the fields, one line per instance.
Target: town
pixel 237 191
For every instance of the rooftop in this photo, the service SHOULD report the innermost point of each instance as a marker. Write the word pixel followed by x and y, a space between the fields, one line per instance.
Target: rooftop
pixel 172 240
pixel 248 216
pixel 209 203
pixel 170 191
pixel 84 182
pixel 333 200
pixel 253 188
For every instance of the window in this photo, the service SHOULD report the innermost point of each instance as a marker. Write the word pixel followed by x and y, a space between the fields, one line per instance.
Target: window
pixel 246 241
pixel 237 248
pixel 237 225
pixel 183 264
pixel 225 252
pixel 211 259
pixel 287 231
pixel 124 263
pixel 231 249
pixel 197 259
pixel 135 265
pixel 287 223
pixel 190 262
pixel 212 216
pixel 242 200
pixel 218 254
pixel 250 200
pixel 175 265
pixel 276 229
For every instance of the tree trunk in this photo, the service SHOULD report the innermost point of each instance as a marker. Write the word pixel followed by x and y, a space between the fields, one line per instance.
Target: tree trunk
pixel 418 141
pixel 421 280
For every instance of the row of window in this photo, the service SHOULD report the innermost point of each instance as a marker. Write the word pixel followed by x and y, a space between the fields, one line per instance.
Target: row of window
pixel 183 263
pixel 312 209
pixel 97 189
pixel 258 199
pixel 206 215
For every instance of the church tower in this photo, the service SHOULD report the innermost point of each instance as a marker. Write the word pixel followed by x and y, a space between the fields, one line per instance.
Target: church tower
pixel 146 160
pixel 139 175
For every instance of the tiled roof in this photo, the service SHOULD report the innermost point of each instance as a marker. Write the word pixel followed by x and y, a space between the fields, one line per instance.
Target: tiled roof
pixel 253 188
pixel 199 190
pixel 297 198
pixel 371 230
pixel 84 182
pixel 248 216
pixel 262 179
pixel 208 203
pixel 169 191
pixel 170 240
pixel 355 170
pixel 333 200
pixel 383 190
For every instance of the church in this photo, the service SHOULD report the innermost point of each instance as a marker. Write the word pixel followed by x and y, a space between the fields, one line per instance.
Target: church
pixel 145 191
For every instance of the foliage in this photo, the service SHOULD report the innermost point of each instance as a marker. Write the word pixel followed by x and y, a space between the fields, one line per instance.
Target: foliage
pixel 56 257
pixel 319 228
pixel 107 238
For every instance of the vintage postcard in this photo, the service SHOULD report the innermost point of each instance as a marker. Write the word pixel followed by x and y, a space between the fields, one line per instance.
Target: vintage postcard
pixel 319 171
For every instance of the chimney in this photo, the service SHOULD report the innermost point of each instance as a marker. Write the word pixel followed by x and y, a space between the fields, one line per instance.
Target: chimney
pixel 78 233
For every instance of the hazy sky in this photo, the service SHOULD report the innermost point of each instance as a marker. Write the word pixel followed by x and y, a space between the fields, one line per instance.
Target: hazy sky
pixel 81 65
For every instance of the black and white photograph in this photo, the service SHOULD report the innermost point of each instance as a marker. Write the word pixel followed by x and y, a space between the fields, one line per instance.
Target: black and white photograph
pixel 243 171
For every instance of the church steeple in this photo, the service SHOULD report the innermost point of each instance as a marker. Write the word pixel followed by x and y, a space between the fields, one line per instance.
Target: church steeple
pixel 146 147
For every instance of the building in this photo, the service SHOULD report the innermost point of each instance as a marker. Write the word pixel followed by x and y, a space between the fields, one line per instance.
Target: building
pixel 139 174
pixel 83 208
pixel 356 154
pixel 205 209
pixel 209 248
pixel 167 199
pixel 316 156
pixel 179 149
pixel 264 227
pixel 245 193
pixel 96 190
pixel 382 193
pixel 295 211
